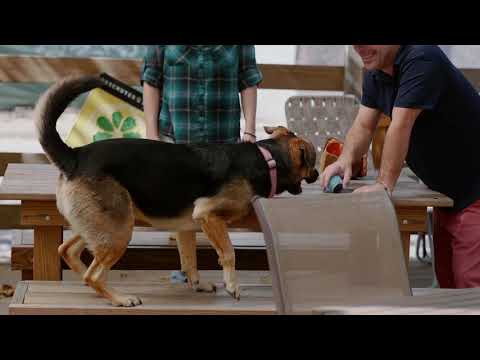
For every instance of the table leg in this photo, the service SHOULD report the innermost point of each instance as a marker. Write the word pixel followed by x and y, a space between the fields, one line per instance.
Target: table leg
pixel 46 261
pixel 406 246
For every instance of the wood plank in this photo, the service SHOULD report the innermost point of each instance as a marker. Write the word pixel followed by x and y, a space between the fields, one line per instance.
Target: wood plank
pixel 20 158
pixel 10 217
pixel 41 69
pixel 43 213
pixel 412 218
pixel 20 292
pixel 158 298
pixel 150 237
pixel 37 182
pixel 424 302
pixel 46 262
pixel 156 258
pixel 406 193
pixel 302 77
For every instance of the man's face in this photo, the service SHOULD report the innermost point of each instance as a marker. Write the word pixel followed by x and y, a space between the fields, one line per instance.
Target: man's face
pixel 377 57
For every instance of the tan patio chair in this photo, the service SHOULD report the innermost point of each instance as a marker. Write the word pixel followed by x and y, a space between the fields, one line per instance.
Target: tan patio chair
pixel 332 249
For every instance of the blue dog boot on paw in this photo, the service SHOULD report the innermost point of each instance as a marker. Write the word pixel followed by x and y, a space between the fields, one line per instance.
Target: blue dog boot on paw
pixel 335 185
pixel 178 277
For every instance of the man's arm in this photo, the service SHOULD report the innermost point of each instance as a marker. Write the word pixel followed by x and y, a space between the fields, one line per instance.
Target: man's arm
pixel 151 106
pixel 396 145
pixel 356 144
pixel 360 135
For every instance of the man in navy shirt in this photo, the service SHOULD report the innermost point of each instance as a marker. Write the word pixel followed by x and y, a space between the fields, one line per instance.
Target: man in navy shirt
pixel 435 128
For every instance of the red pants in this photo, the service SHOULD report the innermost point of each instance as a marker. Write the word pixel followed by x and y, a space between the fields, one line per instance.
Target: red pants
pixel 457 247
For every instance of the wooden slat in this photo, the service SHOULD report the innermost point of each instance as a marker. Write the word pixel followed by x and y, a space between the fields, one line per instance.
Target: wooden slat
pixel 406 193
pixel 160 297
pixel 20 292
pixel 412 219
pixel 20 158
pixel 157 258
pixel 41 69
pixel 301 77
pixel 10 217
pixel 33 69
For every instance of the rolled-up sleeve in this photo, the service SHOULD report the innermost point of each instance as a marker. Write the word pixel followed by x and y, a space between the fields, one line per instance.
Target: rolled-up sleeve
pixel 152 68
pixel 249 73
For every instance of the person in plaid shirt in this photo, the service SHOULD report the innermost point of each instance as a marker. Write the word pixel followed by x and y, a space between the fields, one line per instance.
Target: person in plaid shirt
pixel 191 95
pixel 191 92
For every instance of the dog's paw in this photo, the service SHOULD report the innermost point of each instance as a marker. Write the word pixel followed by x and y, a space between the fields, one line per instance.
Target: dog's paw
pixel 126 301
pixel 233 291
pixel 204 286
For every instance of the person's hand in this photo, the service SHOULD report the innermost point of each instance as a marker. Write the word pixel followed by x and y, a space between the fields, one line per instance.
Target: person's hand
pixel 374 187
pixel 341 167
pixel 370 188
pixel 249 137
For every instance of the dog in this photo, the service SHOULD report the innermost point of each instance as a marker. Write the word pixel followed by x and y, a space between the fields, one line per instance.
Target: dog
pixel 105 186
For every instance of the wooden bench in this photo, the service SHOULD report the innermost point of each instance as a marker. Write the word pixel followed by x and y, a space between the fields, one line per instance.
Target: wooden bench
pixel 158 297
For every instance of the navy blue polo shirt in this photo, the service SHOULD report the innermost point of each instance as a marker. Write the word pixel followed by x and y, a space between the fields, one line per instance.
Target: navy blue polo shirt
pixel 444 144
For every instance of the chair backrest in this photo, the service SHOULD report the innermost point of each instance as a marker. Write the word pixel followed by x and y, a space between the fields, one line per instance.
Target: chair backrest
pixel 332 249
pixel 320 117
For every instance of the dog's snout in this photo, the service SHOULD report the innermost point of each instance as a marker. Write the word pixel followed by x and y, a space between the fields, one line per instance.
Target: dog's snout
pixel 313 177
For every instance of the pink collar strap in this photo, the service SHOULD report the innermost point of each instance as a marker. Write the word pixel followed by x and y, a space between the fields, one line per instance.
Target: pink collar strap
pixel 273 170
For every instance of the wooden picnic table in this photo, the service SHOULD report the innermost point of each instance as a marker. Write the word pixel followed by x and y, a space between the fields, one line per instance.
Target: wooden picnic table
pixel 34 186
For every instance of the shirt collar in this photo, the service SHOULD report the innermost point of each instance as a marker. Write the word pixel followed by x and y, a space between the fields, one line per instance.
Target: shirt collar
pixel 399 58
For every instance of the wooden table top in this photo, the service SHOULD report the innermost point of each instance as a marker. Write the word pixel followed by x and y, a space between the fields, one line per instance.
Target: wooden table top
pixel 38 182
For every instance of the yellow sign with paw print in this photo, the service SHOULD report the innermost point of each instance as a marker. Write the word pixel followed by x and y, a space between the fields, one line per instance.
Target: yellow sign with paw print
pixel 105 116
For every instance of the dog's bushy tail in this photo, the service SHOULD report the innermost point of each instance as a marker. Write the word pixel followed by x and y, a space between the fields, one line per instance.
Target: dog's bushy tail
pixel 47 111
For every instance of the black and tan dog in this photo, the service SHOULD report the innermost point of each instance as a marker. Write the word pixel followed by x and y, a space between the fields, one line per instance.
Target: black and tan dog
pixel 105 186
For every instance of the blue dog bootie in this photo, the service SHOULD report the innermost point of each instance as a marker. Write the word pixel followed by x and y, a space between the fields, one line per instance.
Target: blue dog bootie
pixel 178 277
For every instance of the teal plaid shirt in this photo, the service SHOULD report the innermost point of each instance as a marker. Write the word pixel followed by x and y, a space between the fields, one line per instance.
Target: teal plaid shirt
pixel 200 89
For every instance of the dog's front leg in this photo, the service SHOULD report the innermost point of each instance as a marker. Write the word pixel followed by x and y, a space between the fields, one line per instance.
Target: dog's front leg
pixel 216 230
pixel 187 248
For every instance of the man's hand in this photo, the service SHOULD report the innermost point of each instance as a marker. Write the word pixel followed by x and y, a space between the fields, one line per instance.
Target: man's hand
pixel 341 167
pixel 372 188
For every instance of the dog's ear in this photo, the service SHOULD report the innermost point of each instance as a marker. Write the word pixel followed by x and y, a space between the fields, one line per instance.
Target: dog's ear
pixel 277 131
pixel 308 153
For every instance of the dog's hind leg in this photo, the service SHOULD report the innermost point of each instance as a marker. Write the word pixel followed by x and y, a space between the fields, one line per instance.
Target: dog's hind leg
pixel 216 230
pixel 187 248
pixel 101 210
pixel 70 251
pixel 96 274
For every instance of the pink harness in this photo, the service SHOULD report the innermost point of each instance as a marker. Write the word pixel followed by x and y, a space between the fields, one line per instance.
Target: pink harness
pixel 273 170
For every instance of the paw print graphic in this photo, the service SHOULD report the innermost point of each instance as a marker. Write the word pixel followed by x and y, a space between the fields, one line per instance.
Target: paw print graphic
pixel 118 127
